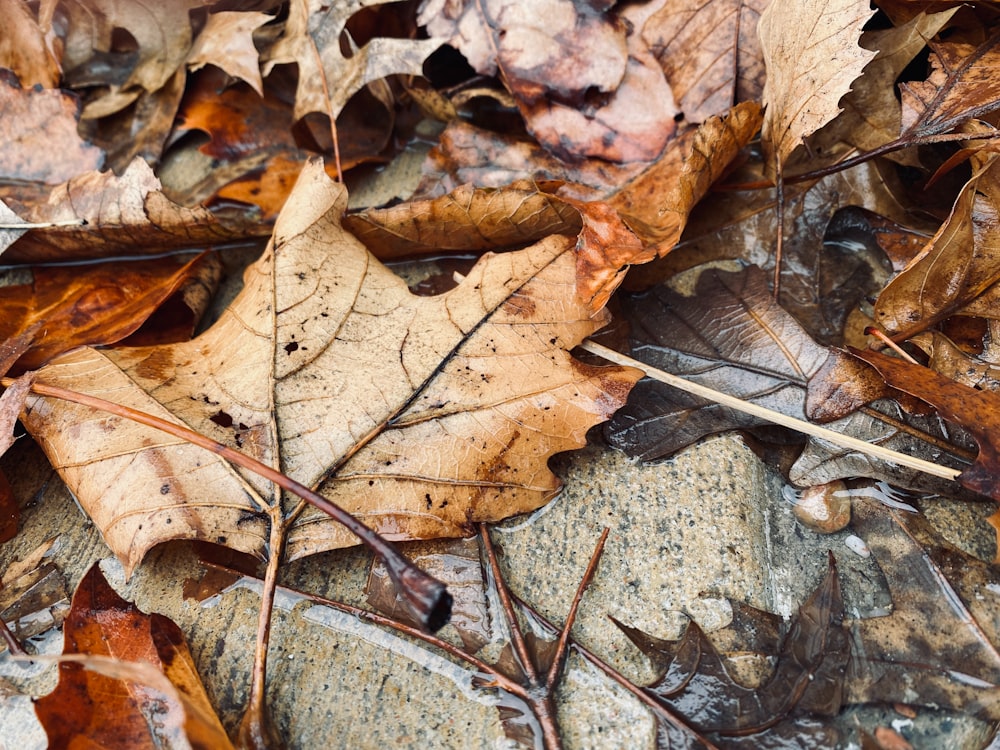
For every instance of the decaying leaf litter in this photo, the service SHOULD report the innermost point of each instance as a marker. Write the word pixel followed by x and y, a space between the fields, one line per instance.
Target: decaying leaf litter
pixel 570 146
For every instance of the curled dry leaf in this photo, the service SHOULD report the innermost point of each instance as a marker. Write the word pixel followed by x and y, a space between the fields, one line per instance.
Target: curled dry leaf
pixel 226 41
pixel 38 136
pixel 131 681
pixel 327 77
pixel 709 52
pixel 124 215
pixel 420 415
pixel 811 62
pixel 958 264
pixel 468 218
pixel 657 203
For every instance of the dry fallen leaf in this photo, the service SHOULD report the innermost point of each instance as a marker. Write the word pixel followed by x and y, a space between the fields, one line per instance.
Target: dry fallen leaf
pixel 420 415
pixel 328 77
pixel 24 48
pixel 39 140
pixel 709 52
pixel 226 41
pixel 956 266
pixel 125 215
pixel 583 77
pixel 812 57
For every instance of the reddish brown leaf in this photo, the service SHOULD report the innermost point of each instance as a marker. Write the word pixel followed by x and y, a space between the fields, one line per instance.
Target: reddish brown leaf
pixel 111 703
pixel 95 304
pixel 975 410
pixel 963 85
pixel 586 84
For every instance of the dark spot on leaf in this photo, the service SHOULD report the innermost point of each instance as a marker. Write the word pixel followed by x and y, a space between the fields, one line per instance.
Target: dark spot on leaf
pixel 293 346
pixel 165 489
pixel 222 419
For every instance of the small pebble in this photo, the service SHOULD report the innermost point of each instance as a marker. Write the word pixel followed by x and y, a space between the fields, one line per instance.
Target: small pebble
pixel 824 508
pixel 857 545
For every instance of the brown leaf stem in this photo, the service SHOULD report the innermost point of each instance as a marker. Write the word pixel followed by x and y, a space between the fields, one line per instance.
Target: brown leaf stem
pixel 256 731
pixel 427 598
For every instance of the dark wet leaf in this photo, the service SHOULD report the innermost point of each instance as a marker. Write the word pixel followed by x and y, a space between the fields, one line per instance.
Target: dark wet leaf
pixel 807 679
pixel 938 647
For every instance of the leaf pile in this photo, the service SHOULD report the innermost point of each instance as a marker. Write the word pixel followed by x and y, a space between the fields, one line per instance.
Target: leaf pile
pixel 731 192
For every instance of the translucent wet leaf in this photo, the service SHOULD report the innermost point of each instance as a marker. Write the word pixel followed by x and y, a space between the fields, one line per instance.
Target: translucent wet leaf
pixel 808 677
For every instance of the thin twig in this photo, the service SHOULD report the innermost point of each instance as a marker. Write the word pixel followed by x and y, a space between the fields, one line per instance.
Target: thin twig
pixel 779 220
pixel 724 399
pixel 873 331
pixel 556 667
pixel 516 636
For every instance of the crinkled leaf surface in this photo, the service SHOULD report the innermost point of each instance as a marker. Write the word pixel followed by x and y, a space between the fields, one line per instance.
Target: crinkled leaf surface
pixel 226 41
pixel 812 56
pixel 327 77
pixel 582 75
pixel 420 415
pixel 125 214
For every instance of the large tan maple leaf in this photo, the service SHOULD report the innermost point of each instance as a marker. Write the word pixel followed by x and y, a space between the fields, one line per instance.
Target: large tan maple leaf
pixel 420 415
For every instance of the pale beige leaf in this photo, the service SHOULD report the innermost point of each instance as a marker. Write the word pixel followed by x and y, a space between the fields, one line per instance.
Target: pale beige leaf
pixel 812 56
pixel 421 415
pixel 327 79
pixel 227 42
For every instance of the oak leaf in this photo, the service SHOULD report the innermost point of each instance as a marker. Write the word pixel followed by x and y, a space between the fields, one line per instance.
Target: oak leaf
pixel 421 415
pixel 327 77
pixel 162 33
pixel 812 57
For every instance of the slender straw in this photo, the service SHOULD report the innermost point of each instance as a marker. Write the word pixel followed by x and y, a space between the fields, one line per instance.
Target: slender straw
pixel 845 441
